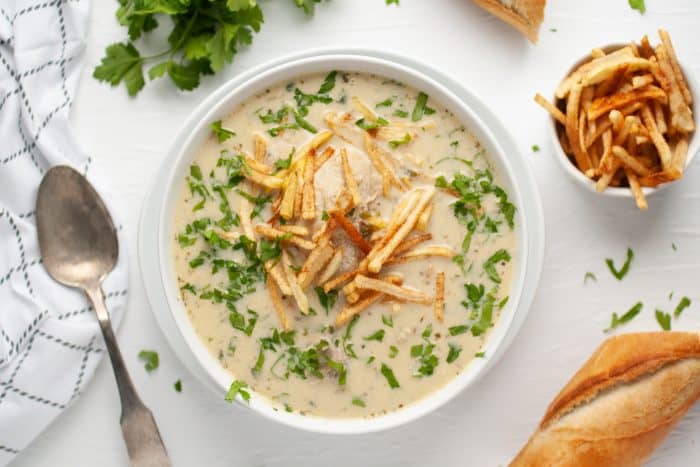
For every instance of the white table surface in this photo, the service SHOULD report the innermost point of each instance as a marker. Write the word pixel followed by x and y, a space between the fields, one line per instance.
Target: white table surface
pixel 486 425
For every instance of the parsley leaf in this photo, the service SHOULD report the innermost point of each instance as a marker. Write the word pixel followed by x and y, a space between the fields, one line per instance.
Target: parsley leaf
pixel 396 143
pixel 388 373
pixel 358 402
pixel 204 37
pixel 327 300
pixel 122 62
pixel 368 125
pixel 638 5
pixel 454 352
pixel 178 386
pixel 236 388
pixel 376 336
pixel 388 320
pixel 622 272
pixel 490 264
pixel 420 107
pixel 457 330
pixel 664 320
pixel 222 134
pixel 616 320
pixel 589 276
pixel 150 358
pixel 682 305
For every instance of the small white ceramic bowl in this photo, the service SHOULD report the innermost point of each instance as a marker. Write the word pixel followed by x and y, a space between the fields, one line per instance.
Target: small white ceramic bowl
pixel 619 192
pixel 518 183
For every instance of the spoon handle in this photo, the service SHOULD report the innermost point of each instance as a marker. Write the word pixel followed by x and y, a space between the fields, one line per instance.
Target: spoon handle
pixel 143 441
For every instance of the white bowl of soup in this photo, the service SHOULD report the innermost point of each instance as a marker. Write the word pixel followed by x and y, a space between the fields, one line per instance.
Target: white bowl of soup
pixel 341 244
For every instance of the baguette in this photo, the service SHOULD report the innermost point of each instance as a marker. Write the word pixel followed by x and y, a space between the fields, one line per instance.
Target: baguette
pixel 524 15
pixel 621 404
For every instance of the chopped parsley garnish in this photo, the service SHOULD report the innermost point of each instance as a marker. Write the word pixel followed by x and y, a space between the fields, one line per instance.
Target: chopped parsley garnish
pixel 259 202
pixel 221 133
pixel 238 321
pixel 236 388
pixel 358 402
pixel 303 123
pixel 369 125
pixel 260 361
pixel 347 346
pixel 480 354
pixel 682 305
pixel 664 320
pixel 535 148
pixel 150 359
pixel 454 352
pixel 622 272
pixel 178 386
pixel 388 320
pixel 625 318
pixel 393 351
pixel 490 264
pixel 385 103
pixel 457 330
pixel 325 216
pixel 419 109
pixel 396 143
pixel 328 82
pixel 190 288
pixel 589 277
pixel 388 373
pixel 327 300
pixel 400 113
pixel 376 336
pixel 276 117
pixel 485 317
pixel 283 164
pixel 196 184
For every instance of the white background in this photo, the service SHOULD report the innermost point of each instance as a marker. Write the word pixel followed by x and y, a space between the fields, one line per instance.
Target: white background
pixel 486 425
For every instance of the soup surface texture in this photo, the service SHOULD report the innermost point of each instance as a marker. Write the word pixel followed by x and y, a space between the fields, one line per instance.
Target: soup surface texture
pixel 343 245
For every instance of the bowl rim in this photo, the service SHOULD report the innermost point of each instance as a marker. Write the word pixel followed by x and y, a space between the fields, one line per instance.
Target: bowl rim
pixel 618 192
pixel 196 123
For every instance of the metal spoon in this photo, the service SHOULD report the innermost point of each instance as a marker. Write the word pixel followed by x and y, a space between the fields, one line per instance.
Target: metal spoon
pixel 79 248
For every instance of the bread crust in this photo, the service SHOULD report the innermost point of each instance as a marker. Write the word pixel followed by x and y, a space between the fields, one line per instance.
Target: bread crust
pixel 621 404
pixel 524 15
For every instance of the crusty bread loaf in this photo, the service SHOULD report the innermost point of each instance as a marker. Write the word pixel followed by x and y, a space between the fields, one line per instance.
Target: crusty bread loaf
pixel 524 15
pixel 621 404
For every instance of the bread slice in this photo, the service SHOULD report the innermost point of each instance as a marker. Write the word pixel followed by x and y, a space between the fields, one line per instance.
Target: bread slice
pixel 621 404
pixel 524 15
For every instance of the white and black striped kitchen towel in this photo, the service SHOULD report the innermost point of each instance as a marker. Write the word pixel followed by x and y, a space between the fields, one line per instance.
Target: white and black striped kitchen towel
pixel 49 338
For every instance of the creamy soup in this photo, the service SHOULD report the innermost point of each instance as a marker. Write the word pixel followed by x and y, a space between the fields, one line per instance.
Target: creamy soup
pixel 343 245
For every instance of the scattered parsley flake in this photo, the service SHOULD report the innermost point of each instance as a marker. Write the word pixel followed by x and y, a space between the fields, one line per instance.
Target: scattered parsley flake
pixel 622 272
pixel 589 277
pixel 535 148
pixel 638 5
pixel 150 358
pixel 376 336
pixel 419 109
pixel 358 402
pixel 664 320
pixel 221 133
pixel 682 305
pixel 625 318
pixel 178 386
pixel 454 352
pixel 388 373
pixel 236 388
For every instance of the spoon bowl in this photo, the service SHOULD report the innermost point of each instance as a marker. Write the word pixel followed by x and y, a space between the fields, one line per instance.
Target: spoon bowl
pixel 77 237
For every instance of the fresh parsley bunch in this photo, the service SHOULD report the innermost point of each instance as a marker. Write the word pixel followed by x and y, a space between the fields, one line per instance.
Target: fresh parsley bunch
pixel 205 36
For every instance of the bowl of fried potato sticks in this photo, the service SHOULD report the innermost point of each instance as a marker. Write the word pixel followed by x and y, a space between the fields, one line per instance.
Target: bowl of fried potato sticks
pixel 622 119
